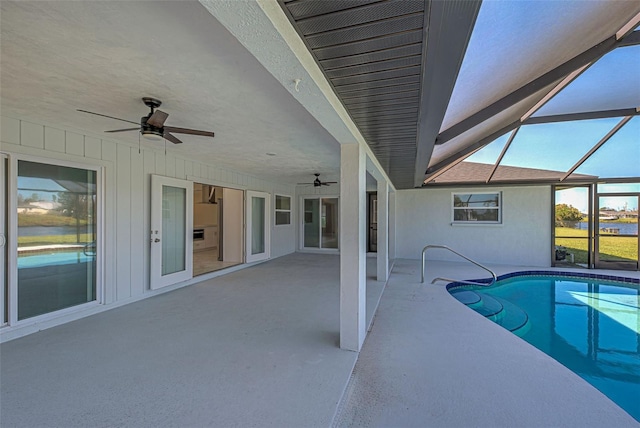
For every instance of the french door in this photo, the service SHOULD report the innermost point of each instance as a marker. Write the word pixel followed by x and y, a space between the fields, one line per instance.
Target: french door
pixel 258 236
pixel 171 231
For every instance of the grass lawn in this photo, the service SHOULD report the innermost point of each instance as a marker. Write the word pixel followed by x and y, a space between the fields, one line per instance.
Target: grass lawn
pixel 30 241
pixel 47 220
pixel 611 247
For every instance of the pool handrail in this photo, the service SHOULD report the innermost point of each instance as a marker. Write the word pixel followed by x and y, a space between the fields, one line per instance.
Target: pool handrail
pixel 444 247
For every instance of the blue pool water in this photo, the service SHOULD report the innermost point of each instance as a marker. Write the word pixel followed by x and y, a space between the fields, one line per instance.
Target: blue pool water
pixel 52 258
pixel 590 326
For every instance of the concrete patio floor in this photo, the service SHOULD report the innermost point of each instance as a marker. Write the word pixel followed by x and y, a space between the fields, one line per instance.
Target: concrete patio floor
pixel 429 361
pixel 259 347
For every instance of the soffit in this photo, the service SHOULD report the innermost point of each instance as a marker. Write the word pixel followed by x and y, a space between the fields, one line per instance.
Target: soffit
pixel 371 53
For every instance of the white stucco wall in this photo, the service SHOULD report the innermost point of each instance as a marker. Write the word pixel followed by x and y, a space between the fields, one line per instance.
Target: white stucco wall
pixel 524 237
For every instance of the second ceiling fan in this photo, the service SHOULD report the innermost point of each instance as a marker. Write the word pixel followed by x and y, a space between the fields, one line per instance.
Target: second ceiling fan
pixel 317 182
pixel 152 126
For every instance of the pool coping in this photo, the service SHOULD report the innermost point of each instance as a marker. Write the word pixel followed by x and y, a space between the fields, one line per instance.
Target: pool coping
pixel 554 273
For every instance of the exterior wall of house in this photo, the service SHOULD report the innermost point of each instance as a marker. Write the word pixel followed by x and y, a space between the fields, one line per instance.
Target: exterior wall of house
pixel 424 216
pixel 126 187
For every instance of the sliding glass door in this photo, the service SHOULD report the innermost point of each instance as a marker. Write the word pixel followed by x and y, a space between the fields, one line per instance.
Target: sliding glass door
pixel 57 238
pixel 320 223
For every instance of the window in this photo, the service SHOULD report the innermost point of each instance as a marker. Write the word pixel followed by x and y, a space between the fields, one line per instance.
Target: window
pixel 283 210
pixel 477 207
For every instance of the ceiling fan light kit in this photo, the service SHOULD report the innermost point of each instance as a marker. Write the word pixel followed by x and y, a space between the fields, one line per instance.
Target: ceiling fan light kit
pixel 152 125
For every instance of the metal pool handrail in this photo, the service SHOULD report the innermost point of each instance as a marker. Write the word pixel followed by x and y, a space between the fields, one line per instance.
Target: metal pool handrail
pixel 444 247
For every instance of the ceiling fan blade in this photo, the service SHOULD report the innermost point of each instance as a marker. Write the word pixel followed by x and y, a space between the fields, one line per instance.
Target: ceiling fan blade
pixel 188 131
pixel 171 138
pixel 330 182
pixel 157 118
pixel 123 130
pixel 325 184
pixel 110 117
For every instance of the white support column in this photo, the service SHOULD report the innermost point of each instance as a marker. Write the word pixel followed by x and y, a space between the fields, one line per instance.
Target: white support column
pixel 353 213
pixel 392 226
pixel 383 230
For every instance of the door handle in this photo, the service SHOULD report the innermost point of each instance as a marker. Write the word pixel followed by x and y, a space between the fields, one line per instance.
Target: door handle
pixel 156 240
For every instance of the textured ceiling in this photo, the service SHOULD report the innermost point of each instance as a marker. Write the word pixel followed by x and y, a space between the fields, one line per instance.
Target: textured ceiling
pixel 105 56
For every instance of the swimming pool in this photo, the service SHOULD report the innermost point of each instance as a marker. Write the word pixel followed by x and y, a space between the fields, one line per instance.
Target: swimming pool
pixel 50 258
pixel 589 323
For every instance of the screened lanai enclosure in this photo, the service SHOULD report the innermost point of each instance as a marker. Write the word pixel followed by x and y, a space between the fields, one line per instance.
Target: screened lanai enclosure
pixel 497 93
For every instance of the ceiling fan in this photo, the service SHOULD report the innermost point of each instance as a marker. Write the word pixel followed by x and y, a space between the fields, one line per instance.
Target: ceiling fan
pixel 152 125
pixel 317 182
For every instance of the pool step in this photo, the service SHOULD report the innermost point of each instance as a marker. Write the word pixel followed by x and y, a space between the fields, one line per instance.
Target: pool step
pixel 500 311
pixel 512 317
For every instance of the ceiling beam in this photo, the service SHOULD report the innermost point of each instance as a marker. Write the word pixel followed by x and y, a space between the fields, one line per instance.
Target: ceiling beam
pixel 447 31
pixel 504 152
pixel 602 114
pixel 586 57
pixel 469 149
pixel 597 146
pixel 632 39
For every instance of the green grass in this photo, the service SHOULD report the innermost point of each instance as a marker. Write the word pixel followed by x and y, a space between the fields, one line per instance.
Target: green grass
pixel 623 220
pixel 611 246
pixel 620 220
pixel 47 220
pixel 30 241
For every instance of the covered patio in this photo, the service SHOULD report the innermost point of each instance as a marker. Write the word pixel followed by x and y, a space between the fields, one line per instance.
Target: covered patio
pixel 260 347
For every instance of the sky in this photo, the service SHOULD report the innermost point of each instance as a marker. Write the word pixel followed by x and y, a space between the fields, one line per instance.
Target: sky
pixel 578 198
pixel 611 83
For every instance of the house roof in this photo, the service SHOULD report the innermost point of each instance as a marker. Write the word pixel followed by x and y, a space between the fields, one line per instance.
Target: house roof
pixel 472 172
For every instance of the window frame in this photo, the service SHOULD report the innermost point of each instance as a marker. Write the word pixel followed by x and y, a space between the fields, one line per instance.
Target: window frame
pixel 276 210
pixel 12 231
pixel 483 222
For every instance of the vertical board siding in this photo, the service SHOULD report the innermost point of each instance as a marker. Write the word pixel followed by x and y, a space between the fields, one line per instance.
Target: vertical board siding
pixel 170 166
pixel 93 147
pixel 54 140
pixel 127 190
pixel 188 168
pixel 149 168
pixel 109 151
pixel 32 135
pixel 180 169
pixel 10 131
pixel 123 225
pixel 137 223
pixel 75 144
pixel 109 210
